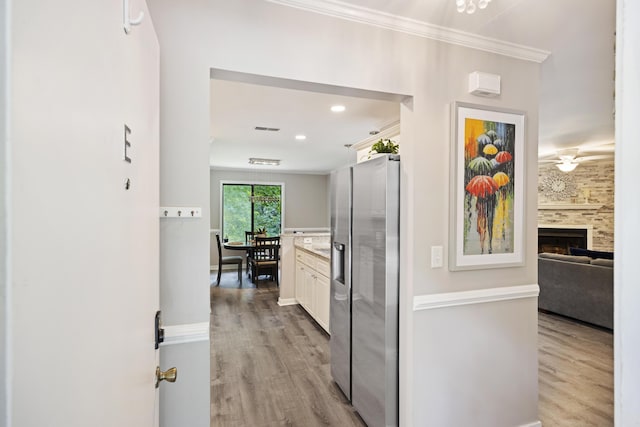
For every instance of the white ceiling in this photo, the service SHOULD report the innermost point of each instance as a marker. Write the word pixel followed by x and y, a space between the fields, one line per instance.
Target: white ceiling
pixel 237 108
pixel 576 87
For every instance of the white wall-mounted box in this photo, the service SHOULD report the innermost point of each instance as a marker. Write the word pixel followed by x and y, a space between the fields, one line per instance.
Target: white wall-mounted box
pixel 484 84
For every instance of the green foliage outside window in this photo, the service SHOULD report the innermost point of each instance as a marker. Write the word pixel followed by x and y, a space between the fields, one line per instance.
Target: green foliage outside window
pixel 267 208
pixel 237 209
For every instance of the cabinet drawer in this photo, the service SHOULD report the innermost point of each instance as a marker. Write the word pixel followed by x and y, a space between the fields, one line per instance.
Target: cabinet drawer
pixel 306 258
pixel 323 267
pixel 303 257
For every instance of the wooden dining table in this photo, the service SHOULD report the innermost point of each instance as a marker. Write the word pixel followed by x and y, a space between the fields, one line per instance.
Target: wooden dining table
pixel 239 246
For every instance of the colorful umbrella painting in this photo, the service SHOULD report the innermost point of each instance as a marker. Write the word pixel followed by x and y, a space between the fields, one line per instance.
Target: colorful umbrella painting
pixel 503 157
pixel 489 187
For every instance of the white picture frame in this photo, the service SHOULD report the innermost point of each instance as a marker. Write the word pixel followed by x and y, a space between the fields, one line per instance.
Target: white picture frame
pixel 487 187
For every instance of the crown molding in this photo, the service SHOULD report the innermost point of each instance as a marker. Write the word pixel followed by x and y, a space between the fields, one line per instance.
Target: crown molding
pixel 339 9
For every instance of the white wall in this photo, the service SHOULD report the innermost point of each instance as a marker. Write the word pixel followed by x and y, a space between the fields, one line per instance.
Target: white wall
pixel 182 403
pixel 4 220
pixel 184 244
pixel 262 38
pixel 627 212
pixel 490 376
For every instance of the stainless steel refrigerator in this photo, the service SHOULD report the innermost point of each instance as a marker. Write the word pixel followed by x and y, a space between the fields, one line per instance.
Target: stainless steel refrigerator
pixel 365 215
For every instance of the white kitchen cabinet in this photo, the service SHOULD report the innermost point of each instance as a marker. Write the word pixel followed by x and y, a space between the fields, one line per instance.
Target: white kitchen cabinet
pixel 300 284
pixel 322 299
pixel 309 291
pixel 313 285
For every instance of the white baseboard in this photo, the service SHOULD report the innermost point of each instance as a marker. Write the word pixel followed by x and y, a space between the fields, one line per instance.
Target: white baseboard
pixel 477 296
pixel 287 301
pixel 536 424
pixel 181 334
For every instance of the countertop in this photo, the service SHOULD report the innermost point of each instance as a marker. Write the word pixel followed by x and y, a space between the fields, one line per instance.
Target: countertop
pixel 323 251
pixel 313 234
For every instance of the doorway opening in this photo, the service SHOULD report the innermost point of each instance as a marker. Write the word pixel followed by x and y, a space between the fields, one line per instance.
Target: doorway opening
pixel 291 123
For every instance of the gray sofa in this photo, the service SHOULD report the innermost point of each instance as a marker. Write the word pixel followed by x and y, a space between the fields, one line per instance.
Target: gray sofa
pixel 577 286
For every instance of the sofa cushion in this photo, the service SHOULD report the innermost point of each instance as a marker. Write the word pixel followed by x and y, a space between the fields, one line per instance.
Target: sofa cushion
pixel 602 262
pixel 590 253
pixel 568 258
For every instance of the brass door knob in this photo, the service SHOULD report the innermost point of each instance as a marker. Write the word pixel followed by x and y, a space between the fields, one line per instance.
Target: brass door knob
pixel 170 375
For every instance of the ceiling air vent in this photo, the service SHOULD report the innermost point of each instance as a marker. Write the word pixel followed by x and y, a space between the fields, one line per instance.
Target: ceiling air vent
pixel 267 129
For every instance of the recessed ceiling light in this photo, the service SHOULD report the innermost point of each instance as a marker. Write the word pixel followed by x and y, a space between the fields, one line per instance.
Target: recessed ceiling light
pixel 338 108
pixel 301 137
pixel 269 162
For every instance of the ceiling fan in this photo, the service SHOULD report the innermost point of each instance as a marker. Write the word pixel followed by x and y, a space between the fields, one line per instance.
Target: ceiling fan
pixel 567 159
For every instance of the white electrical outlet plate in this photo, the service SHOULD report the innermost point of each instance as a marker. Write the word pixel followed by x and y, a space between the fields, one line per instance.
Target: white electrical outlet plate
pixel 180 212
pixel 436 257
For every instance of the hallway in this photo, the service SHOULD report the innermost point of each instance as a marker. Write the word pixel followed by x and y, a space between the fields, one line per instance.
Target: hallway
pixel 270 366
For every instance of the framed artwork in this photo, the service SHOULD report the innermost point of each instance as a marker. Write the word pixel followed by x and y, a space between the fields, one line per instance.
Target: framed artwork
pixel 487 185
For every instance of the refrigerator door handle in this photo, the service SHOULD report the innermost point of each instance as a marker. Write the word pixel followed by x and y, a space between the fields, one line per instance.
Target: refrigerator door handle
pixel 338 262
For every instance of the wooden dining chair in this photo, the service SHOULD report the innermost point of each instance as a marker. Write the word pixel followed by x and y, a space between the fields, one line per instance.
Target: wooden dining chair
pixel 227 260
pixel 249 236
pixel 264 259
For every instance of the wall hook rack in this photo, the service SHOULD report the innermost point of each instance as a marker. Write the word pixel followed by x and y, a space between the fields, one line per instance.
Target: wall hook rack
pixel 127 22
pixel 180 212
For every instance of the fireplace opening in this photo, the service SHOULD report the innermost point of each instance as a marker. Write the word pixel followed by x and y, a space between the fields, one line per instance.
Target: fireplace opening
pixel 559 240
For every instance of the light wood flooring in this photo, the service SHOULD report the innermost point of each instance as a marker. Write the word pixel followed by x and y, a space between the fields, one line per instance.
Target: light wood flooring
pixel 270 366
pixel 575 374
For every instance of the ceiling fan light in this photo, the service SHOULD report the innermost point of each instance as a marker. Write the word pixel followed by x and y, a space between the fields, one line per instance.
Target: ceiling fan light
pixel 460 3
pixel 483 4
pixel 567 166
pixel 461 8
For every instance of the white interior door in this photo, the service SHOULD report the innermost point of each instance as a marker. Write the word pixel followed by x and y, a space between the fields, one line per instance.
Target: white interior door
pixel 84 248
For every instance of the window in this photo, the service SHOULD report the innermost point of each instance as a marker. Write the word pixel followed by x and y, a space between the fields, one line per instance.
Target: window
pixel 247 207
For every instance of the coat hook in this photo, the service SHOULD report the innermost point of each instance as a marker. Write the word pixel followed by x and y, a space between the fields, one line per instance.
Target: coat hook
pixel 127 21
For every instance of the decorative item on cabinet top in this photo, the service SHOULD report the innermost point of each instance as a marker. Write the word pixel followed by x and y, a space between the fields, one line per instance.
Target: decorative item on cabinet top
pixel 391 131
pixel 383 146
